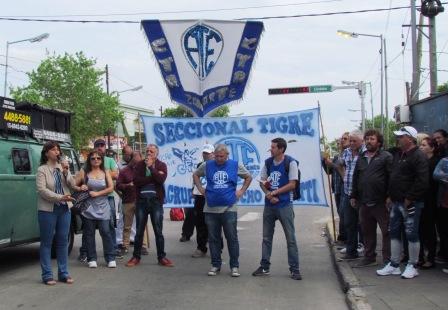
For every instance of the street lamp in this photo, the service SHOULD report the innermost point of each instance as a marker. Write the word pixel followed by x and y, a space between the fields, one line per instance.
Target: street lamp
pixel 347 34
pixel 137 88
pixel 31 40
pixel 361 87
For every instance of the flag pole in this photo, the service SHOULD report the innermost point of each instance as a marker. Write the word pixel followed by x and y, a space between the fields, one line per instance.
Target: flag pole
pixel 328 175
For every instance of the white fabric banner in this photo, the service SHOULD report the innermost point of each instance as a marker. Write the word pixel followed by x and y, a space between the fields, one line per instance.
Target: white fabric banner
pixel 204 63
pixel 180 142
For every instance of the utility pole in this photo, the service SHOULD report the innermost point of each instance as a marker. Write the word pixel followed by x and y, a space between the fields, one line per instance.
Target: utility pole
pixel 430 9
pixel 107 91
pixel 386 93
pixel 415 72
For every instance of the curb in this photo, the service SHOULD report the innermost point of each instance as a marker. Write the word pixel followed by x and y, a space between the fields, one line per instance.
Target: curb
pixel 354 294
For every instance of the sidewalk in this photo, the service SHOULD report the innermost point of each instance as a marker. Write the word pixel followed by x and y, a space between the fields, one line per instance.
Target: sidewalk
pixel 365 290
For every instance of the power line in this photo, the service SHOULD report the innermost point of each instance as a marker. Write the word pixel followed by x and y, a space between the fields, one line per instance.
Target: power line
pixel 250 18
pixel 176 12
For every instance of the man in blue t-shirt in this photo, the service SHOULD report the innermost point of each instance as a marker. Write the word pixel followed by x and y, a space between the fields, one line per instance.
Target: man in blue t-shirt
pixel 220 209
pixel 278 182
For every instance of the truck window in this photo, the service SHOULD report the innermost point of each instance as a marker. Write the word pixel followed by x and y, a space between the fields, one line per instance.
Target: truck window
pixel 21 161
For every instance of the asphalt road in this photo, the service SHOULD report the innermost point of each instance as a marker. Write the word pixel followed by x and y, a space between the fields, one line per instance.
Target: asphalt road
pixel 186 286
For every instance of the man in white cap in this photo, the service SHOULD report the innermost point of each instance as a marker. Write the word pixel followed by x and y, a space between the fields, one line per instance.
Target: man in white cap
pixel 197 213
pixel 408 183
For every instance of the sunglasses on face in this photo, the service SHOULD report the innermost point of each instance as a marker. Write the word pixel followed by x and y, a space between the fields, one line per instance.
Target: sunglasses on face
pixel 95 158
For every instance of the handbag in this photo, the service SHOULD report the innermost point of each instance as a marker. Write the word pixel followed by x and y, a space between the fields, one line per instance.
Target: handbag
pixel 177 214
pixel 81 201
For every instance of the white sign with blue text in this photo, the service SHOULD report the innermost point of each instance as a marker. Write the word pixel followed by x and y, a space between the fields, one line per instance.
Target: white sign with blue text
pixel 204 63
pixel 180 142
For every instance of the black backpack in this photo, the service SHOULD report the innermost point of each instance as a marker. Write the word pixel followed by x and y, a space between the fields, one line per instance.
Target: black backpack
pixel 270 161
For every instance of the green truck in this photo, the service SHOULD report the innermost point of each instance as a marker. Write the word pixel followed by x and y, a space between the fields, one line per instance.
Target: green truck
pixel 24 128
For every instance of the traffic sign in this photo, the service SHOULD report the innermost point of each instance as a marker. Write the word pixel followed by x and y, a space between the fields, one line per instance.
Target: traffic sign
pixel 321 88
pixel 300 89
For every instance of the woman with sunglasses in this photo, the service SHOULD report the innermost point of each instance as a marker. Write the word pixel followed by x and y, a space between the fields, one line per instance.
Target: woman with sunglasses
pixel 99 183
pixel 53 182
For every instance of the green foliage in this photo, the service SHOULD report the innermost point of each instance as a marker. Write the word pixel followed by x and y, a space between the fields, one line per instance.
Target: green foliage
pixel 72 83
pixel 376 124
pixel 442 88
pixel 179 111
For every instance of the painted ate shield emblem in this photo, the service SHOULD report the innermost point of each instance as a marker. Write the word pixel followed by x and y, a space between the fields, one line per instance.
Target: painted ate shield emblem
pixel 202 46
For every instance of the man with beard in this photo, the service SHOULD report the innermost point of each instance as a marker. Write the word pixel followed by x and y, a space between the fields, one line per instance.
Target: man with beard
pixel 370 181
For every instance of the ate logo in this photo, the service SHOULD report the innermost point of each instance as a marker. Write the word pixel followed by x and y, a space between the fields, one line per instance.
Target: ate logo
pixel 220 177
pixel 202 46
pixel 274 178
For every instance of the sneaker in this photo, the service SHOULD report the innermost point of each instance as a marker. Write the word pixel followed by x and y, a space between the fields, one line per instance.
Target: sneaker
pixel 366 262
pixel 123 251
pixel 445 270
pixel 144 251
pixel 134 261
pixel 349 257
pixel 119 254
pixel 82 258
pixel 92 264
pixel 184 239
pixel 295 275
pixel 261 272
pixel 388 270
pixel 214 271
pixel 198 253
pixel 343 250
pixel 166 262
pixel 360 249
pixel 410 272
pixel 112 264
pixel 234 272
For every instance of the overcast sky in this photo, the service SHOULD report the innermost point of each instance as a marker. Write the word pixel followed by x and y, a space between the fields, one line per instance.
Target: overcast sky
pixel 293 51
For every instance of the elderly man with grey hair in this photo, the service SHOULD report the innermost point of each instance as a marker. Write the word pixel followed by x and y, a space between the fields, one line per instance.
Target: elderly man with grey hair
pixel 221 196
pixel 346 167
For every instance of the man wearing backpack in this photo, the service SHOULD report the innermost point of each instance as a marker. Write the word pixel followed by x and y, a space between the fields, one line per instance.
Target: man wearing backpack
pixel 279 178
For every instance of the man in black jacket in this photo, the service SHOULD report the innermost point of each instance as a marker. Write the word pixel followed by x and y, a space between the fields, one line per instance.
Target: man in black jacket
pixel 408 183
pixel 370 181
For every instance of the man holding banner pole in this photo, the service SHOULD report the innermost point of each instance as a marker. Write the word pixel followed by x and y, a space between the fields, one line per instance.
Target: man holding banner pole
pixel 221 195
pixel 278 182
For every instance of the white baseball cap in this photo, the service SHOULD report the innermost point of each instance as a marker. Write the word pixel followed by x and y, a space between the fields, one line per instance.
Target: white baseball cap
pixel 406 131
pixel 208 148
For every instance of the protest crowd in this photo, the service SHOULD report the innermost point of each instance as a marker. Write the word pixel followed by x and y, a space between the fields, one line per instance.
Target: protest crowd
pixel 403 190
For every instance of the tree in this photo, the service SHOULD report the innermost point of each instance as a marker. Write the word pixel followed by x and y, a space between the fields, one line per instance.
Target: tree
pixel 392 126
pixel 72 83
pixel 179 111
pixel 442 88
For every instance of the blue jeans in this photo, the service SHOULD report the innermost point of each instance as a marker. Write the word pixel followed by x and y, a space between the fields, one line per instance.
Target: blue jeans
pixel 154 208
pixel 215 223
pixel 55 225
pixel 399 219
pixel 286 217
pixel 106 236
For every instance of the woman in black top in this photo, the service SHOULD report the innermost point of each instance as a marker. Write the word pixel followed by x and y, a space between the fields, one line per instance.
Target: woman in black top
pixel 428 236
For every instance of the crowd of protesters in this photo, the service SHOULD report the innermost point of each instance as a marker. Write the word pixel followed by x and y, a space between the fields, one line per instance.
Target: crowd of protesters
pixel 402 190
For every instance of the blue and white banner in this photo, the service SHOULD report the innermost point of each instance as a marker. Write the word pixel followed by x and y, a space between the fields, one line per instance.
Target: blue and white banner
pixel 204 63
pixel 180 142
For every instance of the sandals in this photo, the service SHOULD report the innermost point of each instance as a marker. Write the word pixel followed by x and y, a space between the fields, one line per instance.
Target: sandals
pixel 68 280
pixel 49 282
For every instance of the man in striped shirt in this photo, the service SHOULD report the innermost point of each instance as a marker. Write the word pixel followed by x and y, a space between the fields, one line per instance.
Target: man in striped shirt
pixel 346 168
